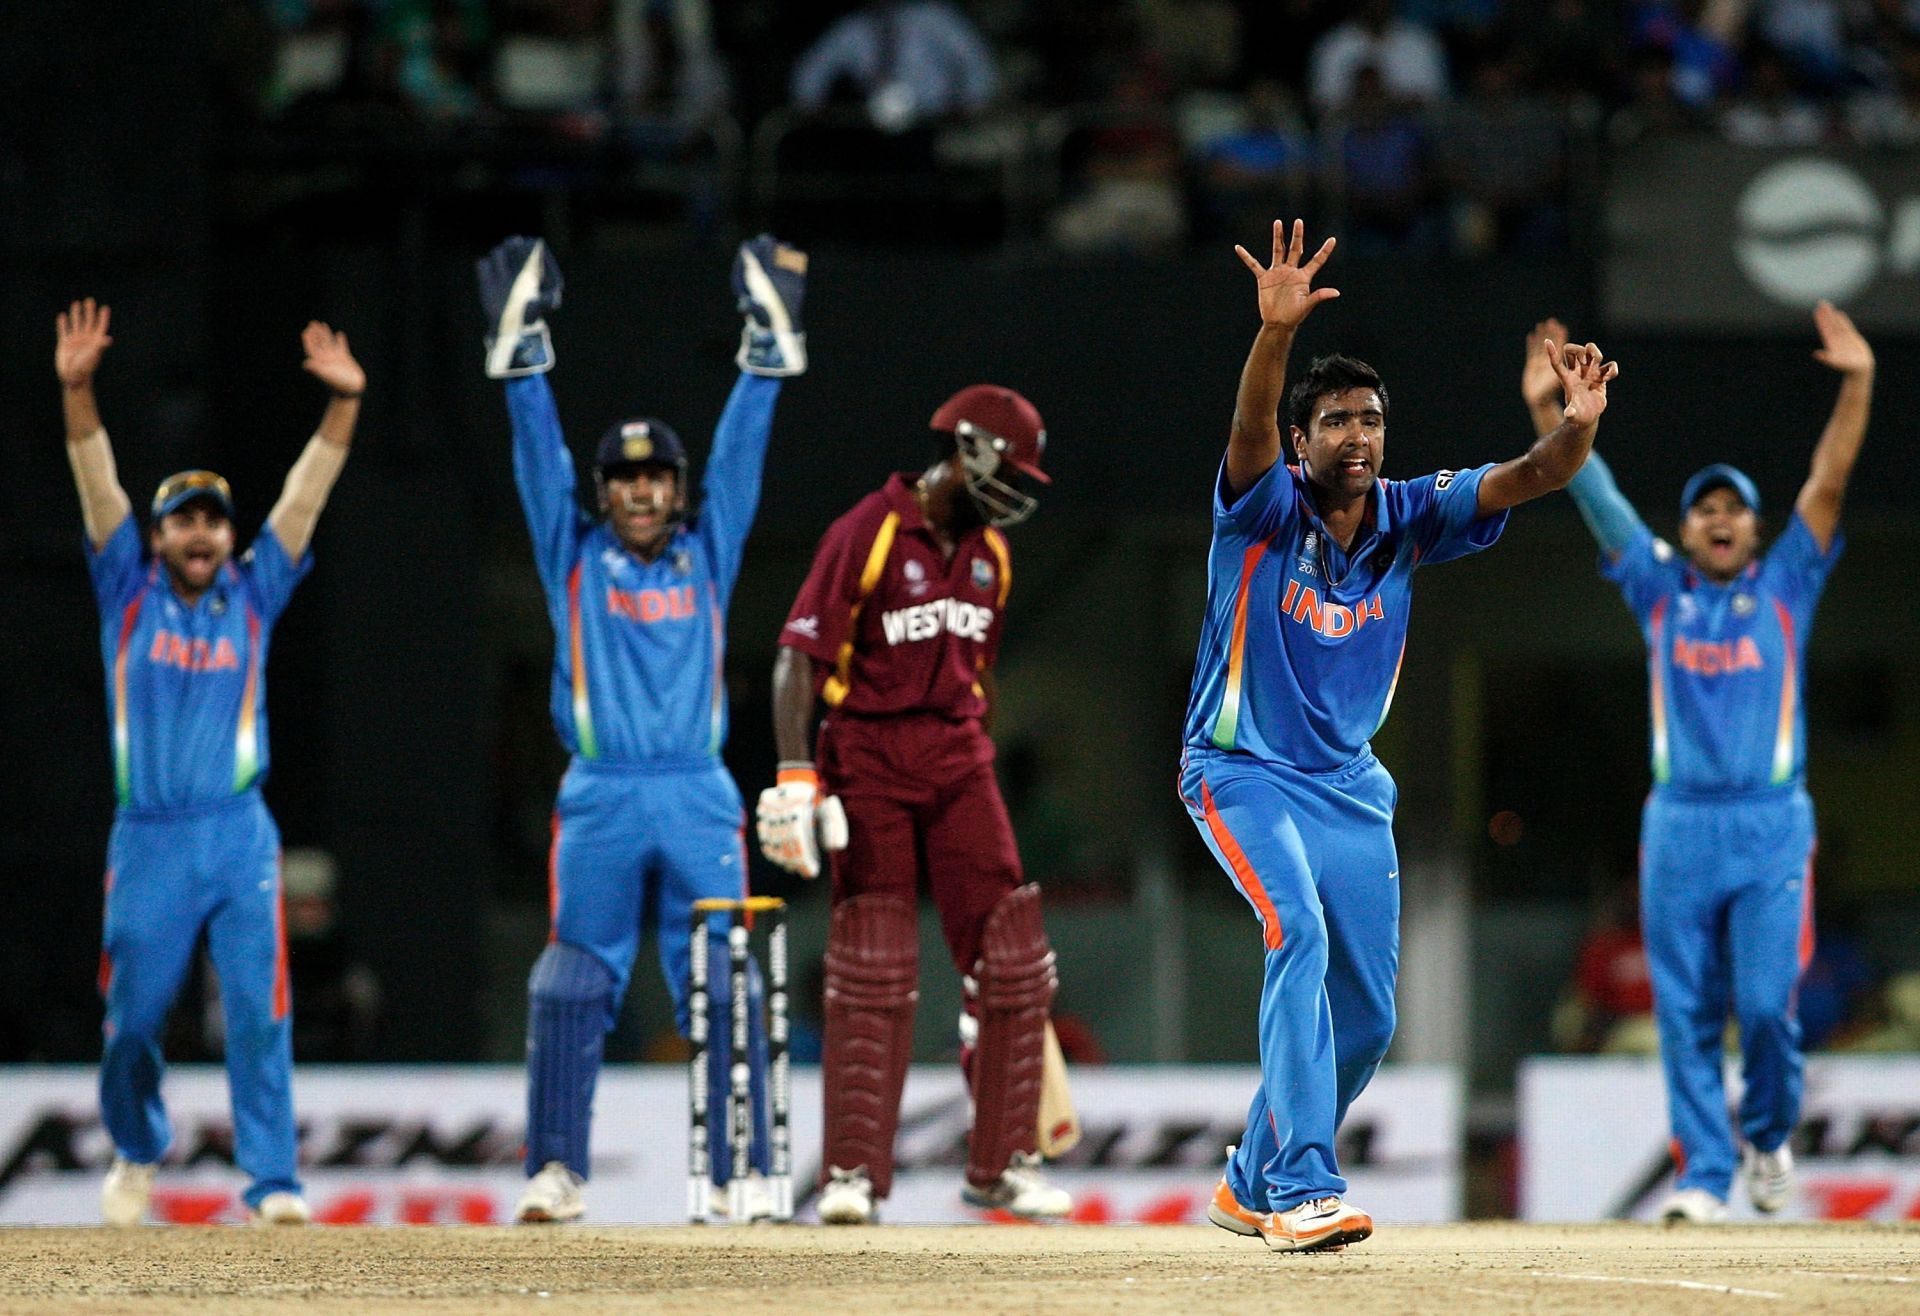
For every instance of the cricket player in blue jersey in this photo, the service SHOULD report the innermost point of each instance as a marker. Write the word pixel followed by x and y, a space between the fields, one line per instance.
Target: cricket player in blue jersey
pixel 648 818
pixel 184 629
pixel 1308 589
pixel 1727 833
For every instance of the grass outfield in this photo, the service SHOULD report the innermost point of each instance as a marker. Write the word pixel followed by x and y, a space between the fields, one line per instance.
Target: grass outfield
pixel 1507 1268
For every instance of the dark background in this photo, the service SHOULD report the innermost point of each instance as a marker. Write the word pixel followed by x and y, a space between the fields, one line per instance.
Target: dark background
pixel 409 679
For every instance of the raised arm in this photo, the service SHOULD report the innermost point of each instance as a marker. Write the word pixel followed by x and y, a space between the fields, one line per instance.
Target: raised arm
pixel 80 339
pixel 519 284
pixel 769 286
pixel 1287 297
pixel 1583 374
pixel 330 361
pixel 1606 511
pixel 1843 349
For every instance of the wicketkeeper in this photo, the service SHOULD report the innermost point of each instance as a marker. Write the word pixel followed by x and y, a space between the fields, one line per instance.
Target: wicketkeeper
pixel 648 818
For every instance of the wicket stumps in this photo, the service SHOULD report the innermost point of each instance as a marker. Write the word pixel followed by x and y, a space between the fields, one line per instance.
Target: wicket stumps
pixel 739 1131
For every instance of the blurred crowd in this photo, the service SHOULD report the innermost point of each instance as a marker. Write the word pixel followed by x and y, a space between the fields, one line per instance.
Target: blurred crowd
pixel 1421 125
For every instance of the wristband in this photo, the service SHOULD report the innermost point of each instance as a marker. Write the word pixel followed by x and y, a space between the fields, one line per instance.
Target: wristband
pixel 797 770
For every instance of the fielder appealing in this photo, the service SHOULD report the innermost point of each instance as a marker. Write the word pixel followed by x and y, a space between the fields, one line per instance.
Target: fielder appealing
pixel 1727 833
pixel 648 819
pixel 184 630
pixel 1309 584
pixel 896 630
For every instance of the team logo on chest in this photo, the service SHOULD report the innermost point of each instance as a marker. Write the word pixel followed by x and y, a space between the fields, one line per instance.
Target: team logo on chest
pixel 982 573
pixel 1743 605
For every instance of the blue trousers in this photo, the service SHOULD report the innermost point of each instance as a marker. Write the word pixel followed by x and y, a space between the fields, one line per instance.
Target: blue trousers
pixel 634 846
pixel 1314 855
pixel 169 879
pixel 1726 905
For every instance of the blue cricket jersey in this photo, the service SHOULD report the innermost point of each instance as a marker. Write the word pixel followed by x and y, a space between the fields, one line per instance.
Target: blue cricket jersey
pixel 1302 643
pixel 187 683
pixel 1726 664
pixel 639 646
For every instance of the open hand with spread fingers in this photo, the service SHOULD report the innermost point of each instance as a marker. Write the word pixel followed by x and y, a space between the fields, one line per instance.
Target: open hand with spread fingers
pixel 1584 375
pixel 1287 294
pixel 330 361
pixel 1842 347
pixel 80 339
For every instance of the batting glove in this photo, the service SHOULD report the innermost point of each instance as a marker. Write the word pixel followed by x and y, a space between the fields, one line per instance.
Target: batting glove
pixel 519 284
pixel 795 824
pixel 769 283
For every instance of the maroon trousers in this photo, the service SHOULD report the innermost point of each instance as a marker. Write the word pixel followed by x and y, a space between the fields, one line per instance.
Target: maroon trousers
pixel 921 803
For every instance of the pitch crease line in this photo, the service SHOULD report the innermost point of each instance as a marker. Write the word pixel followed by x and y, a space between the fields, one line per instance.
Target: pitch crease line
pixel 1865 1279
pixel 1661 1283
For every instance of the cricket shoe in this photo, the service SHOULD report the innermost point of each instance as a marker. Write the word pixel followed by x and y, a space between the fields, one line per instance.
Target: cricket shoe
pixel 1225 1210
pixel 551 1196
pixel 124 1196
pixel 756 1200
pixel 1769 1177
pixel 1325 1224
pixel 1021 1191
pixel 281 1209
pixel 848 1198
pixel 1693 1206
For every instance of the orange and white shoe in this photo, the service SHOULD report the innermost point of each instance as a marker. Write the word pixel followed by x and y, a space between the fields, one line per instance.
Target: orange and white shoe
pixel 1225 1210
pixel 1321 1225
pixel 1326 1225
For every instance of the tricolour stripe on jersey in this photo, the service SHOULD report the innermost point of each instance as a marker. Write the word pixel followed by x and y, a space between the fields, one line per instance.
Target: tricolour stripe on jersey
pixel 717 724
pixel 1392 686
pixel 246 741
pixel 122 732
pixel 998 543
pixel 1783 733
pixel 577 653
pixel 1243 875
pixel 1657 690
pixel 837 685
pixel 1226 723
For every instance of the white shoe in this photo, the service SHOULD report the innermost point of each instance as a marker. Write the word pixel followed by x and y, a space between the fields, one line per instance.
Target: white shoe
pixel 124 1196
pixel 552 1195
pixel 282 1209
pixel 1020 1190
pixel 847 1199
pixel 1326 1224
pixel 1693 1206
pixel 1769 1177
pixel 756 1199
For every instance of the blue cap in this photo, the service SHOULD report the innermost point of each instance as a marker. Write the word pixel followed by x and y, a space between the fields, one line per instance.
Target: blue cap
pixel 182 487
pixel 643 440
pixel 1719 476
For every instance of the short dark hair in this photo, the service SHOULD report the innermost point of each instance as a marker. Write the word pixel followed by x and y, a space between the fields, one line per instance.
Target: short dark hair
pixel 1331 374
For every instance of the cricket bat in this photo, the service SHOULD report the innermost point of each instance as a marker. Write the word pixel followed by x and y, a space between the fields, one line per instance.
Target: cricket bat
pixel 1059 1121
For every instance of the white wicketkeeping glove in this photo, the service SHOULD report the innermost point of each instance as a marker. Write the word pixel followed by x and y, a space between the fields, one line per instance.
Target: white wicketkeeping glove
pixel 795 823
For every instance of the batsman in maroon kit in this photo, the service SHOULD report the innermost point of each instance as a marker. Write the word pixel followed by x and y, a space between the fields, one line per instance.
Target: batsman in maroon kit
pixel 896 631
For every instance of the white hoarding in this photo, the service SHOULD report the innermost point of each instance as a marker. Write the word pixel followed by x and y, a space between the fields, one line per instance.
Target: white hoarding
pixel 423 1145
pixel 1594 1139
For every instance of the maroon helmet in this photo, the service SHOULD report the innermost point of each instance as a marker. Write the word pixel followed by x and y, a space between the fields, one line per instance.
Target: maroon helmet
pixel 991 425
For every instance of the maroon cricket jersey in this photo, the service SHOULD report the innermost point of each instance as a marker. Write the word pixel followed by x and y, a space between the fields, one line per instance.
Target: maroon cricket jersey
pixel 895 626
